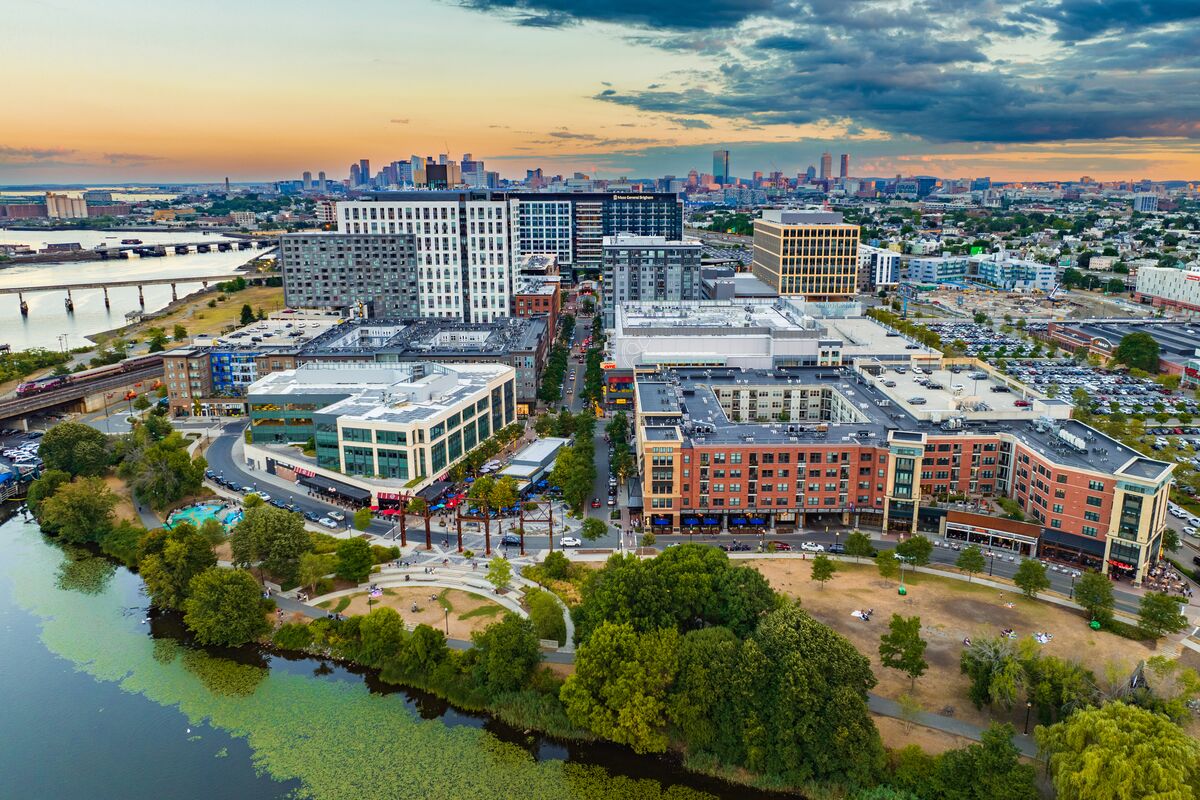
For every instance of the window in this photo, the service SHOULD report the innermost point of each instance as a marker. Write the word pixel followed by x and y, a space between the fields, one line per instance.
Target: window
pixel 1096 486
pixel 1095 501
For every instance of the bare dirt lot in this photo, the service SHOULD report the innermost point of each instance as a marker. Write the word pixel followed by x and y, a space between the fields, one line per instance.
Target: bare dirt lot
pixel 950 610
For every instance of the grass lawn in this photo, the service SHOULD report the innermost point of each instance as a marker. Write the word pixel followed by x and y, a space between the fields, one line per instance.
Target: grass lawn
pixel 198 318
pixel 950 610
pixel 467 612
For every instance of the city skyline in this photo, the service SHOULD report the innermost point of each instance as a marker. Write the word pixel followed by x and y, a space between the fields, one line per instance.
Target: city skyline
pixel 1010 92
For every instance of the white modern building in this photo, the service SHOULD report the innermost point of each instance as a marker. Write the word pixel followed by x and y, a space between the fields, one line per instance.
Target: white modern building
pixel 465 248
pixel 1169 287
pixel 877 268
pixel 377 430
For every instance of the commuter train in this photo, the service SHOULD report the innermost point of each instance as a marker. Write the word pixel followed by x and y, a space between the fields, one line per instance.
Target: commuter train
pixel 48 384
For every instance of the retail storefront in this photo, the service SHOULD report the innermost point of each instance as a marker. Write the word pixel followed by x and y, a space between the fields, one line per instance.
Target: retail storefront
pixel 992 532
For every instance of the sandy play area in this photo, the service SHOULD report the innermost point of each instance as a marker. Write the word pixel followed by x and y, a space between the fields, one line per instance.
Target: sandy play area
pixel 949 610
pixel 468 612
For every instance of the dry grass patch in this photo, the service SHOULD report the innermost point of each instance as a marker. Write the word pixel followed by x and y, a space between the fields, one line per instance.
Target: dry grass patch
pixel 469 612
pixel 950 610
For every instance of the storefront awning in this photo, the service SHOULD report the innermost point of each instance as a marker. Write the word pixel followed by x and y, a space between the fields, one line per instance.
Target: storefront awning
pixel 1081 544
pixel 330 487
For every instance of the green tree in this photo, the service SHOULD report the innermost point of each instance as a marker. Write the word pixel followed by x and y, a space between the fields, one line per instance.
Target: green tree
pixel 504 492
pixel 1094 593
pixel 970 561
pixel 311 569
pixel 546 615
pixel 902 647
pixel 172 557
pixel 703 703
pixel 161 473
pixel 803 691
pixel 1031 577
pixel 43 488
pixel 273 537
pixel 990 770
pixel 75 448
pixel 887 564
pixel 225 607
pixel 743 597
pixel 382 636
pixel 354 559
pixel 1138 350
pixel 141 403
pixel 247 314
pixel 1158 614
pixel 823 569
pixel 556 565
pixel 620 685
pixel 180 333
pixel 858 544
pixel 593 529
pixel 915 550
pixel 572 475
pixel 499 572
pixel 506 653
pixel 995 672
pixel 80 512
pixel 157 339
pixel 1120 752
pixel 362 519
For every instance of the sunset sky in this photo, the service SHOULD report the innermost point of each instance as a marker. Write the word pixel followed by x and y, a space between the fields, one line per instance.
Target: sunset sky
pixel 263 89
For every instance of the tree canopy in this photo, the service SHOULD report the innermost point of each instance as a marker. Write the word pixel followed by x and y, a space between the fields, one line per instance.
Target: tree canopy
pixel 1120 752
pixel 225 607
pixel 1138 350
pixel 75 448
pixel 171 558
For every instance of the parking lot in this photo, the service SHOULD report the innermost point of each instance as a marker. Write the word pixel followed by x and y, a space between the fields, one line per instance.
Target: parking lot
pixel 19 451
pixel 1131 395
pixel 976 337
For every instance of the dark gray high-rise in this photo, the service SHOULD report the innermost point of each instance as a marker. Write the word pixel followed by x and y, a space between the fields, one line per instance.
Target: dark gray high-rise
pixel 343 271
pixel 640 268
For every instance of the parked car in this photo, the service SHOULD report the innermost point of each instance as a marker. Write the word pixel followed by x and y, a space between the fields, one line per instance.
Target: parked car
pixel 595 503
pixel 569 541
pixel 812 547
pixel 312 516
pixel 612 500
pixel 327 522
pixel 510 540
pixel 1191 530
pixel 781 546
pixel 339 516
pixel 837 548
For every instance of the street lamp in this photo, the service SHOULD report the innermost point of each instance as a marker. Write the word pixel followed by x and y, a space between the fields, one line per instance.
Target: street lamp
pixel 1028 708
pixel 447 610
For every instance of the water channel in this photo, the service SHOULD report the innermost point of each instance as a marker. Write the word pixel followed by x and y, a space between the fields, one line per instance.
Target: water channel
pixel 48 317
pixel 102 701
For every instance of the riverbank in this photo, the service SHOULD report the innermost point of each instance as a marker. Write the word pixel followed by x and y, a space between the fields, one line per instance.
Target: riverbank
pixel 326 730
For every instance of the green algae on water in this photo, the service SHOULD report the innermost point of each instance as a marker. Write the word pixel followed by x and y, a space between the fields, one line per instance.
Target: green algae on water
pixel 337 738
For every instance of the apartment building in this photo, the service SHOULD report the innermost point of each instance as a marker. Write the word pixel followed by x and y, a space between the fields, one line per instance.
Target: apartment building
pixel 808 253
pixel 748 452
pixel 463 246
pixel 360 274
pixel 648 268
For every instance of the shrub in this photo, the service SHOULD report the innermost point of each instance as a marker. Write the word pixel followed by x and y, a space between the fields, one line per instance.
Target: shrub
pixel 546 616
pixel 293 636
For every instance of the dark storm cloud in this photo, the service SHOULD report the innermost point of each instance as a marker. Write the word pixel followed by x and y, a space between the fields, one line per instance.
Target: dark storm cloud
pixel 1079 20
pixel 675 15
pixel 938 70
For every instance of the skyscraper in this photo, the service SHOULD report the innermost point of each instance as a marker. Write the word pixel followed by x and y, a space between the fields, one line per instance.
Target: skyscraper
pixel 721 166
pixel 306 180
pixel 826 166
pixel 322 185
pixel 364 171
pixel 810 173
pixel 355 176
pixel 845 165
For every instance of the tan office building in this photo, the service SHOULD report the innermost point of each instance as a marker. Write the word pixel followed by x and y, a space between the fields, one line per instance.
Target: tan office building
pixel 809 253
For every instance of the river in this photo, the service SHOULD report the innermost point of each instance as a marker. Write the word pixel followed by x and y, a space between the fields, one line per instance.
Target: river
pixel 48 318
pixel 100 702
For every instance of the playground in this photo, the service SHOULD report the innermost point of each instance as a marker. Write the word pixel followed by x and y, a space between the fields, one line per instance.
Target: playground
pixel 228 515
